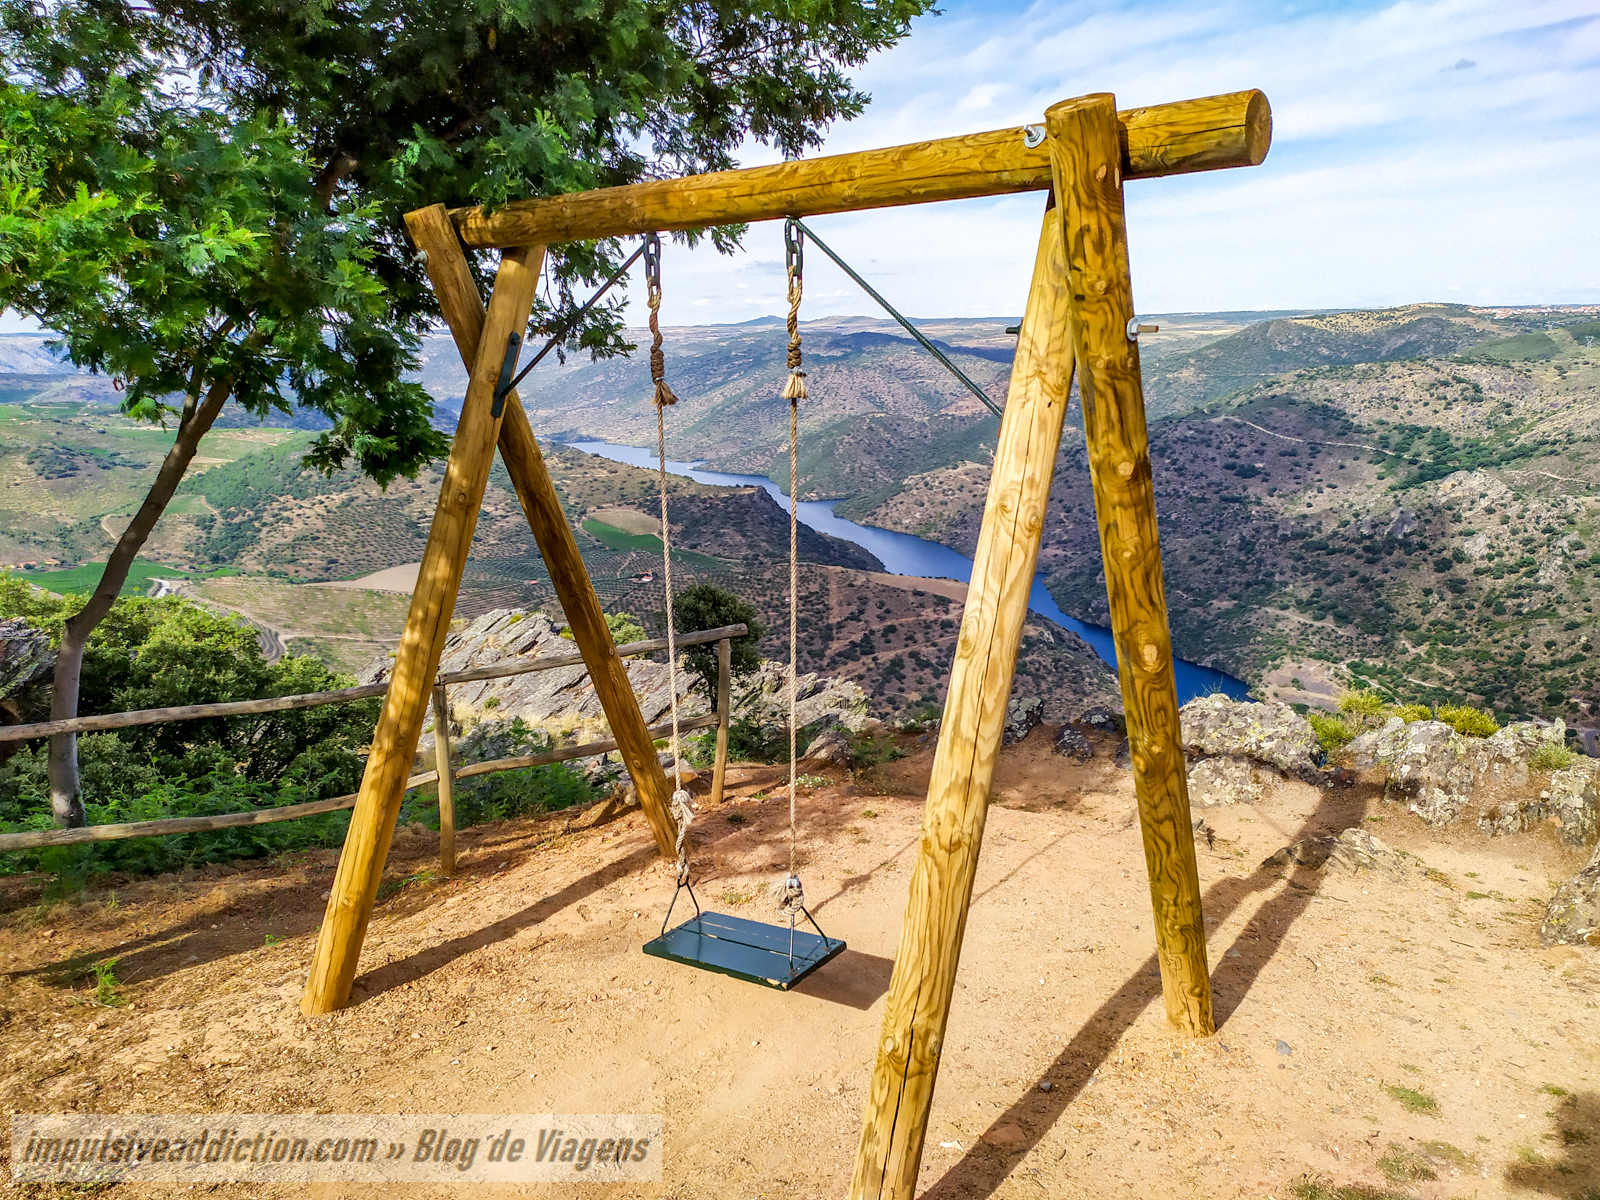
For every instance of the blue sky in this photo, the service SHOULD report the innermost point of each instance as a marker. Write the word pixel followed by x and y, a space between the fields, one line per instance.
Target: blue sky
pixel 1424 150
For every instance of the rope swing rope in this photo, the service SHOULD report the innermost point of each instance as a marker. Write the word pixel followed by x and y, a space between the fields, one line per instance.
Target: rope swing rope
pixel 683 809
pixel 734 945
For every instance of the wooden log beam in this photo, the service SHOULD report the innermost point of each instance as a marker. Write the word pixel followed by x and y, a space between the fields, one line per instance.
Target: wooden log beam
pixel 918 1004
pixel 1083 148
pixel 394 743
pixel 1208 134
pixel 463 309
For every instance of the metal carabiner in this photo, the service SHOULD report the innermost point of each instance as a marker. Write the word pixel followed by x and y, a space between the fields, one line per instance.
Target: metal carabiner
pixel 794 248
pixel 652 262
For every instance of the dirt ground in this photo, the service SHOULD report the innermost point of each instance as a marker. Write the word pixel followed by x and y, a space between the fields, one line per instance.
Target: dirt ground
pixel 1402 1033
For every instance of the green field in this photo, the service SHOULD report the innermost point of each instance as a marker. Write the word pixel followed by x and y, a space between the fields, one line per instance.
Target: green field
pixel 79 581
pixel 613 538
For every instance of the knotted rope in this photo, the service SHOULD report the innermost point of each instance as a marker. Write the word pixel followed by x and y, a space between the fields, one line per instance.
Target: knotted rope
pixel 794 391
pixel 682 805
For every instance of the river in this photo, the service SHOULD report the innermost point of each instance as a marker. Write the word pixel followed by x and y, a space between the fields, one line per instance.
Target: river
pixel 906 554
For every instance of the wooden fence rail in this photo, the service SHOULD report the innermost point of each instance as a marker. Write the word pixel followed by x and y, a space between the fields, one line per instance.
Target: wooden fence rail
pixel 35 839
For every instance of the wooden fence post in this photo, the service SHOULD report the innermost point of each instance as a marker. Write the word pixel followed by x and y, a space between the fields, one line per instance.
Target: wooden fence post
pixel 447 782
pixel 458 297
pixel 1087 161
pixel 918 1004
pixel 719 773
pixel 394 743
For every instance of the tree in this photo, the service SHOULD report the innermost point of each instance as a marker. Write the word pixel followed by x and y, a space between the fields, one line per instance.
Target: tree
pixel 706 606
pixel 205 199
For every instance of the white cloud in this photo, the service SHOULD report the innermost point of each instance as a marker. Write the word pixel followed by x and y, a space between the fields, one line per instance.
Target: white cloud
pixel 1393 176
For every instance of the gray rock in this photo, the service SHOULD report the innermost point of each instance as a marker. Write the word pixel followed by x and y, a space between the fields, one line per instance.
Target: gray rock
pixel 1568 799
pixel 27 661
pixel 830 748
pixel 1439 774
pixel 1267 733
pixel 1214 781
pixel 1355 850
pixel 27 664
pixel 1023 716
pixel 1071 744
pixel 1124 755
pixel 1101 720
pixel 1572 917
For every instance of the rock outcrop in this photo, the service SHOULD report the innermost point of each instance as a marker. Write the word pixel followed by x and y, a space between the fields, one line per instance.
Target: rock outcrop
pixel 1440 775
pixel 1573 916
pixel 1271 734
pixel 1354 850
pixel 1239 747
pixel 562 701
pixel 27 663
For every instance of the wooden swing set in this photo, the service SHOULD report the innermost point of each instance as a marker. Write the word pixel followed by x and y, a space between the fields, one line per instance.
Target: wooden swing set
pixel 1079 315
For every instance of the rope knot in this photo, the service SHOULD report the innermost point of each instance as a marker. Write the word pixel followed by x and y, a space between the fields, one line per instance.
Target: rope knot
pixel 789 896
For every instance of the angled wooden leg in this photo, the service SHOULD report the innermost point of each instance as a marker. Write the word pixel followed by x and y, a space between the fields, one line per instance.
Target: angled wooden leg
pixel 458 299
pixel 924 976
pixel 1087 161
pixel 394 744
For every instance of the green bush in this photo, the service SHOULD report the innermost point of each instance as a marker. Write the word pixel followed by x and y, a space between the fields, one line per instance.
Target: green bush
pixel 1470 722
pixel 1413 712
pixel 1551 757
pixel 1334 733
pixel 1363 702
pixel 504 794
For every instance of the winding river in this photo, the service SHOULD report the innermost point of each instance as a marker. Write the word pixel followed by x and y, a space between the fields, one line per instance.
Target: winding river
pixel 906 554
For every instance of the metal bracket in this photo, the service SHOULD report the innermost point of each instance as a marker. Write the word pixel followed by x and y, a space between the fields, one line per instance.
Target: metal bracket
pixel 508 370
pixel 1135 329
pixel 1033 136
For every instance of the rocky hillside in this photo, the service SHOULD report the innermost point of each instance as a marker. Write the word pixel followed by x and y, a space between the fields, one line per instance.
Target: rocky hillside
pixel 1429 525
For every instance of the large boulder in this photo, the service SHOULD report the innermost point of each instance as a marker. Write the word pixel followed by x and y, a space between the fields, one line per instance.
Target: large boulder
pixel 1023 716
pixel 1273 734
pixel 1572 918
pixel 820 701
pixel 830 748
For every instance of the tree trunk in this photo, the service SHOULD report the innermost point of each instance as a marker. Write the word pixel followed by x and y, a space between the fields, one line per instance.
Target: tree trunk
pixel 66 801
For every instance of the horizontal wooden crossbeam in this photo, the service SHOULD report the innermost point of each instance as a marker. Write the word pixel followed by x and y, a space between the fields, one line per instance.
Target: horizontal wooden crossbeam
pixel 1234 130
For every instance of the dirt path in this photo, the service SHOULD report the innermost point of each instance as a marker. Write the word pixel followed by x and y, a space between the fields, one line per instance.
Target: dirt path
pixel 520 987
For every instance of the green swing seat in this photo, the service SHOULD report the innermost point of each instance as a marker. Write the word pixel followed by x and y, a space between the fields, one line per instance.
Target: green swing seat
pixel 770 955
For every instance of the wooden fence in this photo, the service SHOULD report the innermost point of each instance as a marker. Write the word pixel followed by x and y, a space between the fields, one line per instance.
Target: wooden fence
pixel 444 776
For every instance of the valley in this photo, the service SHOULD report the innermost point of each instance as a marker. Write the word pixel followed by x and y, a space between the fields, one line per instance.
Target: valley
pixel 1404 498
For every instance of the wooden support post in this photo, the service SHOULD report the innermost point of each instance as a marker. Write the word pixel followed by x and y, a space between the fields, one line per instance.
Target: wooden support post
pixel 394 743
pixel 463 309
pixel 447 783
pixel 918 1005
pixel 719 773
pixel 1088 174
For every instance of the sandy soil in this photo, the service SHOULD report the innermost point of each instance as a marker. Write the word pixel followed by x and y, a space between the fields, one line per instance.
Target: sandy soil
pixel 391 579
pixel 520 987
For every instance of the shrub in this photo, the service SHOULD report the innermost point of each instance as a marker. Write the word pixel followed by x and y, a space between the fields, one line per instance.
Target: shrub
pixel 1333 732
pixel 1470 722
pixel 1551 757
pixel 1412 712
pixel 1362 703
pixel 509 793
pixel 707 606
